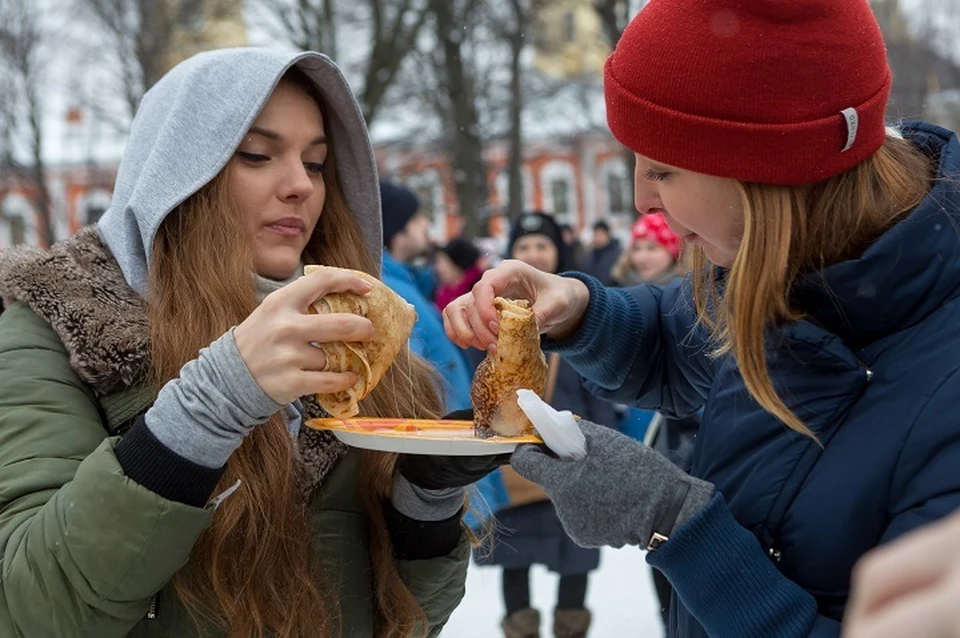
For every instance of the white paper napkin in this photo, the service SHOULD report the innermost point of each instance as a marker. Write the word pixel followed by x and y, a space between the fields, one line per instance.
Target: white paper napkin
pixel 559 430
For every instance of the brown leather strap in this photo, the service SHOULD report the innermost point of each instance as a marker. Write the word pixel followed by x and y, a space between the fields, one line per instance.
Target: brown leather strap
pixel 553 369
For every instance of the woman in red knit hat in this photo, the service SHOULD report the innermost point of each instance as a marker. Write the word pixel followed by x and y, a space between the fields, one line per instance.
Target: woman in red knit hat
pixel 817 331
pixel 653 256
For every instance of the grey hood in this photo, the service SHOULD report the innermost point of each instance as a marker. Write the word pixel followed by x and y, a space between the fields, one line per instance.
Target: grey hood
pixel 192 121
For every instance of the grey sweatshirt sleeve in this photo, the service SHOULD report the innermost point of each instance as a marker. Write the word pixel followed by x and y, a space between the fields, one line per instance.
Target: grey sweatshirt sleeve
pixel 204 414
pixel 423 504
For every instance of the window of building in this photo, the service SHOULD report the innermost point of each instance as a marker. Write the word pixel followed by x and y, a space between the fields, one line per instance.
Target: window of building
pixel 18 230
pixel 560 193
pixel 15 212
pixel 558 184
pixel 425 191
pixel 615 194
pixel 93 204
pixel 428 186
pixel 503 189
pixel 618 188
pixel 93 213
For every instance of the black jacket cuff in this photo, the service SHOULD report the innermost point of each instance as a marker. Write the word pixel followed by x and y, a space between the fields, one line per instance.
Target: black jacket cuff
pixel 153 465
pixel 421 540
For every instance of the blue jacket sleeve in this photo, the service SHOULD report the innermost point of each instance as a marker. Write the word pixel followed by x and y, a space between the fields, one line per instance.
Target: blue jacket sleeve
pixel 641 346
pixel 722 575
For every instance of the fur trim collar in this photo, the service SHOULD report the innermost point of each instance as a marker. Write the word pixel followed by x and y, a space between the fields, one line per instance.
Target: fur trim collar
pixel 78 288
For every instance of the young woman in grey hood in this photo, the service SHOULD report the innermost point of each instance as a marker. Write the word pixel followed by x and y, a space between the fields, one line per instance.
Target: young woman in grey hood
pixel 154 477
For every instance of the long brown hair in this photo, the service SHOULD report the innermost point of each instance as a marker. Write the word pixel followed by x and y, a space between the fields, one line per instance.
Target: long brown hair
pixel 790 231
pixel 252 572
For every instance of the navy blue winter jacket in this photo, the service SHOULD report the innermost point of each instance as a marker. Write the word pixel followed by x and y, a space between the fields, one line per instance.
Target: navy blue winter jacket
pixel 873 373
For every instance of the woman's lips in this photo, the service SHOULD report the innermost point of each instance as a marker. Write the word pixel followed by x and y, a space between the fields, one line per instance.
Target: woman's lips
pixel 288 226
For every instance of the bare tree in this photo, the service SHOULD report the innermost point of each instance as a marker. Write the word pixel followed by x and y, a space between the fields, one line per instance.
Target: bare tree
pixel 388 28
pixel 146 36
pixel 21 39
pixel 615 15
pixel 513 27
pixel 457 107
pixel 310 25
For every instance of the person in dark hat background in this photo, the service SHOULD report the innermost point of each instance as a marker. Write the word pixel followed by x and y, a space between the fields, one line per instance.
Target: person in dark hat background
pixel 406 236
pixel 574 246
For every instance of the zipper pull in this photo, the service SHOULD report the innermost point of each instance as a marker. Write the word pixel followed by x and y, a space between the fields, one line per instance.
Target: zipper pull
pixel 154 607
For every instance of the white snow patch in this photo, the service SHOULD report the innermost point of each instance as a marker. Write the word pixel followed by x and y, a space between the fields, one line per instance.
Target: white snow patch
pixel 620 595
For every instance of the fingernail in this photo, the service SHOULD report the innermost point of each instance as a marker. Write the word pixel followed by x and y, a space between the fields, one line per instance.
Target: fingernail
pixel 492 348
pixel 494 327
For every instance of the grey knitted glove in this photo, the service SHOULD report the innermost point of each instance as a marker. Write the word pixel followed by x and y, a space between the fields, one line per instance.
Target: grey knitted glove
pixel 619 494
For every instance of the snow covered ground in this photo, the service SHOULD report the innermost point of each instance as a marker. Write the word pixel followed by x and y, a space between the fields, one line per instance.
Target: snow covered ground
pixel 621 596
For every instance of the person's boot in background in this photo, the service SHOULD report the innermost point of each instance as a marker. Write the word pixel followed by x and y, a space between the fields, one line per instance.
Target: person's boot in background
pixel 571 623
pixel 523 623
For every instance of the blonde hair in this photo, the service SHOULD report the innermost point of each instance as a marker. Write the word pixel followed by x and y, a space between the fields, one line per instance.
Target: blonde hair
pixel 252 570
pixel 792 231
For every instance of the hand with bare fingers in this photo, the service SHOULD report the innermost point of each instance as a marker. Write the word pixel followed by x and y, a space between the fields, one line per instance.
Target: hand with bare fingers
pixel 559 304
pixel 910 587
pixel 275 340
pixel 256 370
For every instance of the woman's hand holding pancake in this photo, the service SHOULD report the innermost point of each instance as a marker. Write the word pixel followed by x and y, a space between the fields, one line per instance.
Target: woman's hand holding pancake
pixel 275 340
pixel 559 304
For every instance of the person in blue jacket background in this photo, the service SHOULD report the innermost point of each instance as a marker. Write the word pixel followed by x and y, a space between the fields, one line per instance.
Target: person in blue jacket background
pixel 405 237
pixel 818 330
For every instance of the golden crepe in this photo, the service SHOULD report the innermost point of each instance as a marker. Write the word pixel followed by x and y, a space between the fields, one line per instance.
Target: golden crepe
pixel 518 364
pixel 392 318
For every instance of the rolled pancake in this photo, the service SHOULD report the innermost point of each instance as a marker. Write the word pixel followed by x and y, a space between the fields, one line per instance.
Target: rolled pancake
pixel 518 364
pixel 392 318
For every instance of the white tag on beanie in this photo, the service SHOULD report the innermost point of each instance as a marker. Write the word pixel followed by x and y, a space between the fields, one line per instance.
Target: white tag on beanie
pixel 852 118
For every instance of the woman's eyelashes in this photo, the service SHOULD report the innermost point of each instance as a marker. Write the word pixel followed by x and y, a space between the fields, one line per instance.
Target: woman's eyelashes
pixel 655 176
pixel 315 168
pixel 253 158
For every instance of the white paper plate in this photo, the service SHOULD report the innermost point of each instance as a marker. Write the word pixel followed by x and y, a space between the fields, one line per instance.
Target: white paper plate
pixel 418 436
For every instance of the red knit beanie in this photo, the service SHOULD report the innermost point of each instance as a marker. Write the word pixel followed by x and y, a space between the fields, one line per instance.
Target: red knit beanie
pixel 654 228
pixel 774 91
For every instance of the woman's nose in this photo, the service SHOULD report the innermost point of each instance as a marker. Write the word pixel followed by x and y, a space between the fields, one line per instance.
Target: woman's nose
pixel 298 186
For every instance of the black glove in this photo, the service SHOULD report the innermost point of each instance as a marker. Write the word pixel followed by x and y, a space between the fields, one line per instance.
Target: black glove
pixel 444 472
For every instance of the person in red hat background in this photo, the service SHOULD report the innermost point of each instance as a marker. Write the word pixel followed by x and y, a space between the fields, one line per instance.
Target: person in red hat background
pixel 816 332
pixel 653 256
